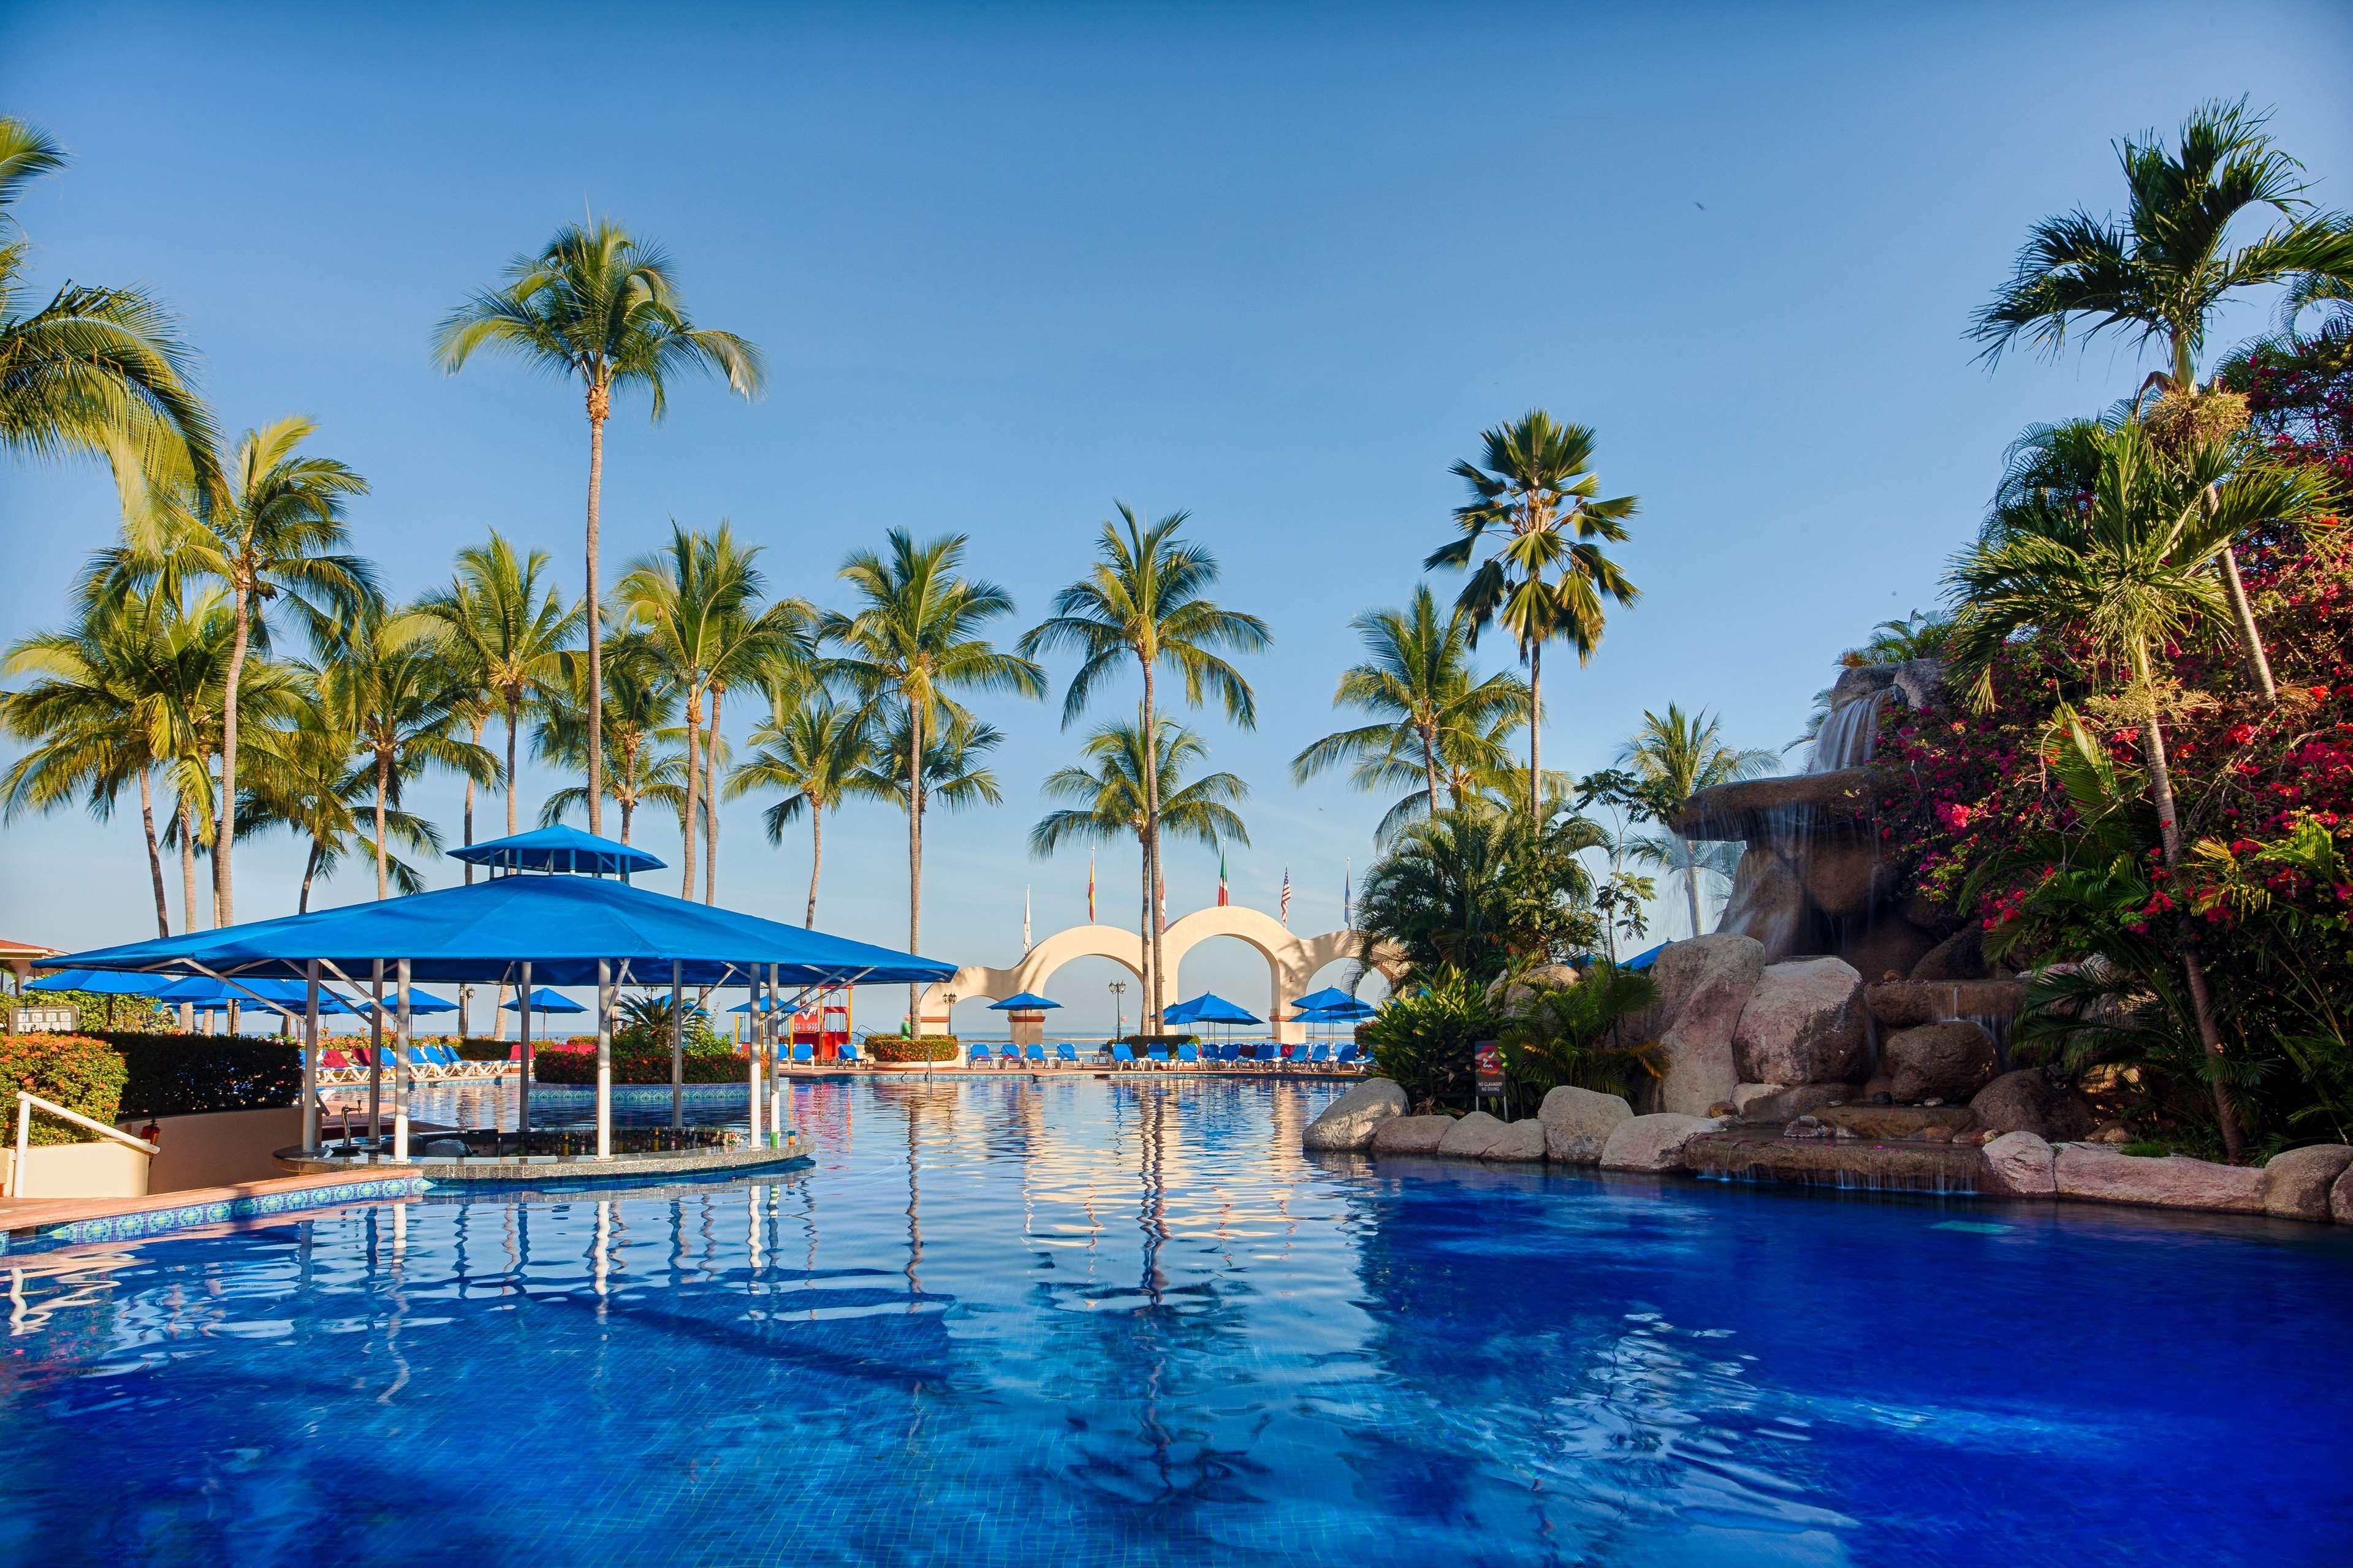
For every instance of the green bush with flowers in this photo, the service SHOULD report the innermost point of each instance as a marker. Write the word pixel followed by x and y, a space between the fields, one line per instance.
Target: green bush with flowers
pixel 73 1070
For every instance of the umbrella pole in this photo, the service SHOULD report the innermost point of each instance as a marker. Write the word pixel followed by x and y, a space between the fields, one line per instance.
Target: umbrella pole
pixel 776 1091
pixel 522 1087
pixel 310 1057
pixel 759 1043
pixel 400 1065
pixel 677 1045
pixel 604 1059
pixel 375 1060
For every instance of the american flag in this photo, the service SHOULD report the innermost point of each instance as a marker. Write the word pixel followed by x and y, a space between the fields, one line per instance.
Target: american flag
pixel 1285 910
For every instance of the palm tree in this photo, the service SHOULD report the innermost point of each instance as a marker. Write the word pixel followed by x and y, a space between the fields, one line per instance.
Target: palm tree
pixel 271 531
pixel 640 706
pixel 2162 272
pixel 386 682
pixel 1436 715
pixel 1145 599
pixel 1112 804
pixel 1674 756
pixel 2127 569
pixel 697 603
pixel 954 774
pixel 509 629
pixel 95 371
pixel 1548 579
pixel 599 306
pixel 810 750
pixel 313 784
pixel 911 644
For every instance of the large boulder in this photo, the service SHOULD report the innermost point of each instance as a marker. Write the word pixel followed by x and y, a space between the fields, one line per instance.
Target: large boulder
pixel 1510 995
pixel 1951 1061
pixel 2340 1199
pixel 2027 1101
pixel 1412 1134
pixel 2174 1181
pixel 1521 1142
pixel 1885 948
pixel 1772 1103
pixel 1652 1142
pixel 1706 982
pixel 1767 904
pixel 1960 956
pixel 1843 875
pixel 1348 1123
pixel 1576 1123
pixel 1471 1137
pixel 1906 1004
pixel 2019 1165
pixel 1803 1024
pixel 2296 1184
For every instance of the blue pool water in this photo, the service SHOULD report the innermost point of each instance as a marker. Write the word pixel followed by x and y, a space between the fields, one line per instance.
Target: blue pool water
pixel 1082 1322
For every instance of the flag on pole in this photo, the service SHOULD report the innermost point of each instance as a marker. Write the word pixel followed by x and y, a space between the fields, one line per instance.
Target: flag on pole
pixel 1091 887
pixel 1025 917
pixel 1347 882
pixel 1223 898
pixel 1285 914
pixel 1164 899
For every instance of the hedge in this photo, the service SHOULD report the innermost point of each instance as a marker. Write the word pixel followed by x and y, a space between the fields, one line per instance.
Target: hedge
pixel 634 1066
pixel 98 1012
pixel 181 1075
pixel 76 1071
pixel 921 1049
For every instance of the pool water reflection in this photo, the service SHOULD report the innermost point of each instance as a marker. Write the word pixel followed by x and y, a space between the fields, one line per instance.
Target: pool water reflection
pixel 1077 1321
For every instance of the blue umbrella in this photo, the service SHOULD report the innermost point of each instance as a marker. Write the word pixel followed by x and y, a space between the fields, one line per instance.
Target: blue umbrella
pixel 1208 1007
pixel 559 848
pixel 1027 1002
pixel 774 1005
pixel 283 995
pixel 1323 998
pixel 1642 961
pixel 1347 1010
pixel 545 1001
pixel 100 982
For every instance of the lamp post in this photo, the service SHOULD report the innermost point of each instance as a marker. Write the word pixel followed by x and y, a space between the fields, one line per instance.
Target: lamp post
pixel 1118 1008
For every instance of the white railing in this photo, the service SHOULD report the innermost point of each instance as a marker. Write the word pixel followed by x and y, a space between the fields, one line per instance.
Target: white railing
pixel 25 1103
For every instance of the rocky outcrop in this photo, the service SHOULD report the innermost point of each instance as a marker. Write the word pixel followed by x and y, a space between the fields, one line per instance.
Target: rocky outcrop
pixel 1472 1136
pixel 1948 1061
pixel 1907 1004
pixel 1758 1156
pixel 1960 956
pixel 1803 1024
pixel 1898 1120
pixel 2093 1170
pixel 2296 1184
pixel 1844 877
pixel 1756 810
pixel 1521 1142
pixel 2027 1101
pixel 2021 1165
pixel 1412 1134
pixel 1510 995
pixel 1704 983
pixel 1777 1102
pixel 2340 1199
pixel 1652 1142
pixel 1768 904
pixel 1576 1123
pixel 1348 1123
pixel 1885 948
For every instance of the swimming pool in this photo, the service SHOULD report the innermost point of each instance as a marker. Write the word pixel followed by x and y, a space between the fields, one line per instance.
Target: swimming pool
pixel 1080 1321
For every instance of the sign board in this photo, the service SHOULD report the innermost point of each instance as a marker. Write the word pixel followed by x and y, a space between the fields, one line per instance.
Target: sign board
pixel 1488 1070
pixel 45 1020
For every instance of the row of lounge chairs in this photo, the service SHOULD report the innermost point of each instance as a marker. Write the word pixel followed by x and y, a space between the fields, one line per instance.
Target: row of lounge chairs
pixel 428 1064
pixel 1266 1056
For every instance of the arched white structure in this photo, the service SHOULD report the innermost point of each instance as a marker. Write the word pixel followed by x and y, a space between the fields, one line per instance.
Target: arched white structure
pixel 1291 961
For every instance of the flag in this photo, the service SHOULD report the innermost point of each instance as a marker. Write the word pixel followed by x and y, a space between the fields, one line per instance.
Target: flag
pixel 1025 917
pixel 1091 887
pixel 1347 878
pixel 1285 915
pixel 1164 899
pixel 1223 899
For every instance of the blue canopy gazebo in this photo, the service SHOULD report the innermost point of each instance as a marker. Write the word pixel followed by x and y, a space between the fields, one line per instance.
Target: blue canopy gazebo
pixel 552 911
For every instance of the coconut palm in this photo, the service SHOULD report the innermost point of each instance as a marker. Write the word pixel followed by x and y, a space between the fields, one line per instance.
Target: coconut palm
pixel 508 627
pixel 697 603
pixel 2161 272
pixel 1111 804
pixel 1548 577
pixel 640 706
pixel 810 750
pixel 1145 599
pixel 601 306
pixel 954 774
pixel 1435 714
pixel 386 682
pixel 1674 756
pixel 914 641
pixel 95 371
pixel 2128 569
pixel 313 784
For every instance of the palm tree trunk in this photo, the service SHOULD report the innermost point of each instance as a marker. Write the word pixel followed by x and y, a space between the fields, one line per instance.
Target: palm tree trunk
pixel 309 870
pixel 224 884
pixel 914 855
pixel 1143 937
pixel 2201 997
pixel 188 865
pixel 477 723
pixel 710 806
pixel 600 403
pixel 816 860
pixel 694 790
pixel 1430 767
pixel 1691 890
pixel 1154 879
pixel 2259 664
pixel 627 808
pixel 382 785
pixel 1535 731
pixel 155 852
pixel 514 718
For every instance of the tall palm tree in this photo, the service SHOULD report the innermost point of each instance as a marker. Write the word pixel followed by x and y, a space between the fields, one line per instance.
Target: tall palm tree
pixel 1435 714
pixel 1145 599
pixel 509 627
pixel 810 750
pixel 697 603
pixel 1111 804
pixel 273 533
pixel 95 371
pixel 1548 577
pixel 385 683
pixel 314 784
pixel 639 706
pixel 913 643
pixel 2161 272
pixel 2128 569
pixel 953 772
pixel 601 306
pixel 1672 757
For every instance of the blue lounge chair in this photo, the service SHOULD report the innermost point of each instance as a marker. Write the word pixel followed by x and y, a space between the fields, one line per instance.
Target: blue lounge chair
pixel 1349 1056
pixel 1229 1053
pixel 1034 1054
pixel 1189 1054
pixel 1321 1055
pixel 978 1055
pixel 804 1054
pixel 1159 1054
pixel 1067 1052
pixel 1121 1055
pixel 849 1053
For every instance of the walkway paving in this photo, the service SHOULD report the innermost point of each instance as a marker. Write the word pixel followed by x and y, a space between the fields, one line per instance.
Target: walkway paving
pixel 32 1216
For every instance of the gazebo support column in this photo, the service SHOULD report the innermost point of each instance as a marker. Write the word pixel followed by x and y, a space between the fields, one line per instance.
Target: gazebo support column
pixel 376 1059
pixel 759 1043
pixel 776 1090
pixel 400 1069
pixel 677 1045
pixel 310 1057
pixel 604 1059
pixel 522 1084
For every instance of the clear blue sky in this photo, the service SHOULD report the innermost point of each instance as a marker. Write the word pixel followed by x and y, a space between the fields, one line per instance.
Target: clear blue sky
pixel 1009 264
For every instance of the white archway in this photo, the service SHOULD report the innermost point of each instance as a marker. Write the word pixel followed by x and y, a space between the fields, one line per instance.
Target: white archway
pixel 1291 961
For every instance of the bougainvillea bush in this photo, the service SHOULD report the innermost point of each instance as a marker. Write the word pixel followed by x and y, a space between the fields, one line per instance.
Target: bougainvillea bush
pixel 73 1070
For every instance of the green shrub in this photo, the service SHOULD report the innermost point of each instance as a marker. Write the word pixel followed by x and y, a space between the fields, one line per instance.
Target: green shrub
pixel 635 1066
pixel 181 1075
pixel 921 1049
pixel 1571 1036
pixel 644 1024
pixel 482 1051
pixel 76 1071
pixel 95 1011
pixel 1424 1040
